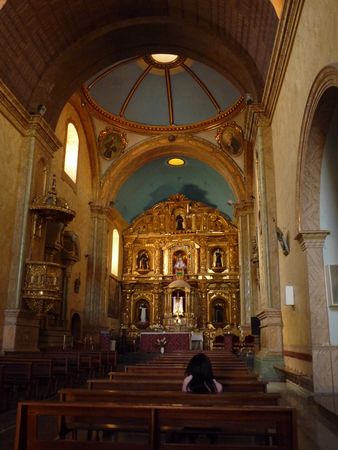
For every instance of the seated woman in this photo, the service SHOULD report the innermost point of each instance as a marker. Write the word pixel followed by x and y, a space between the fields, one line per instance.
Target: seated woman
pixel 199 377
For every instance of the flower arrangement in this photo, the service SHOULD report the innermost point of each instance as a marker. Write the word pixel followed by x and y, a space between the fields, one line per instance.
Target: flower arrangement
pixel 162 342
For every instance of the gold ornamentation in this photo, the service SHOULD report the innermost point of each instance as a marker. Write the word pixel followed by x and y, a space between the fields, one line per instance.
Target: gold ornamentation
pixel 43 286
pixel 111 143
pixel 230 138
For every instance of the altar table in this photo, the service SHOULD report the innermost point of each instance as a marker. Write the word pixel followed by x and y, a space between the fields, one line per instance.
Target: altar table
pixel 175 341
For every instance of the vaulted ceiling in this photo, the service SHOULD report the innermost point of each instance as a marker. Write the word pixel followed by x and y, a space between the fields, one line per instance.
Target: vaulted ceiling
pixel 49 48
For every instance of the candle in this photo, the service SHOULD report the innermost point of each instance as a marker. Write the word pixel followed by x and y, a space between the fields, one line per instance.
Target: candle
pixel 64 339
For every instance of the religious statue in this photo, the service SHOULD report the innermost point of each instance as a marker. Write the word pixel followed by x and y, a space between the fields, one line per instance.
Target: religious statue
pixel 143 261
pixel 180 266
pixel 218 258
pixel 179 222
pixel 178 308
pixel 143 313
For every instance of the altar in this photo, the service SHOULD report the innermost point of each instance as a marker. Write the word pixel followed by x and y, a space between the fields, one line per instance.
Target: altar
pixel 151 341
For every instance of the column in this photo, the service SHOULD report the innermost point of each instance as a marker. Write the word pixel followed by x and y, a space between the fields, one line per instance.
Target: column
pixel 323 363
pixel 95 307
pixel 244 215
pixel 269 308
pixel 20 326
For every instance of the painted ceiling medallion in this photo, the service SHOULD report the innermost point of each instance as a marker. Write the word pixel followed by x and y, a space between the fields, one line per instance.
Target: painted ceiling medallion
pixel 230 138
pixel 111 143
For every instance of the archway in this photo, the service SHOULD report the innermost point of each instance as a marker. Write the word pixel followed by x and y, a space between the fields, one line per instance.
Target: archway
pixel 321 105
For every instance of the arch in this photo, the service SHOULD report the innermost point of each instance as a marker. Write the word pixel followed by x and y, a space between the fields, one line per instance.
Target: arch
pixel 219 311
pixel 94 52
pixel 321 102
pixel 188 146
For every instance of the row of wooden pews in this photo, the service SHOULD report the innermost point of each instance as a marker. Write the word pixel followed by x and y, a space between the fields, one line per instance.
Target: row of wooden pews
pixel 38 375
pixel 148 410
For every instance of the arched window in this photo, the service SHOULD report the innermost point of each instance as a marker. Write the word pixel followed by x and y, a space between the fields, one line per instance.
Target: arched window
pixel 115 253
pixel 72 152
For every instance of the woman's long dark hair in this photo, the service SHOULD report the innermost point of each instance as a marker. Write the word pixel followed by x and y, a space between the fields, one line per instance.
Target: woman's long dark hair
pixel 202 377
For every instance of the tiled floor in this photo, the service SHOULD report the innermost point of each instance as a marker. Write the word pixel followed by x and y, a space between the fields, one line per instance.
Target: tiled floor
pixel 316 430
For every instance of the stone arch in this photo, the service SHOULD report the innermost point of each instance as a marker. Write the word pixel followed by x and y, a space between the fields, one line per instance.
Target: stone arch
pixel 322 101
pixel 191 147
pixel 94 52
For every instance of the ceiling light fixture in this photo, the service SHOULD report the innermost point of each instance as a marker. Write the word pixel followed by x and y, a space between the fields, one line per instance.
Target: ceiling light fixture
pixel 164 58
pixel 176 162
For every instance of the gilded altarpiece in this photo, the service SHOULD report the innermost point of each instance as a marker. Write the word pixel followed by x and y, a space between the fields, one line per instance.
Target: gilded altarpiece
pixel 181 269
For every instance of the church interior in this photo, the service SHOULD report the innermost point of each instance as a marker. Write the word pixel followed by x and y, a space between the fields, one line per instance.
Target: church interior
pixel 168 185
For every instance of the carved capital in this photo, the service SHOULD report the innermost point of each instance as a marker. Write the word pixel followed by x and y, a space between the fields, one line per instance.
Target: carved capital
pixel 312 238
pixel 243 208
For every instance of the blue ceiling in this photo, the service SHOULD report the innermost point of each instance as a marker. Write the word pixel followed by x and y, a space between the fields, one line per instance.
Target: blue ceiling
pixel 157 180
pixel 141 93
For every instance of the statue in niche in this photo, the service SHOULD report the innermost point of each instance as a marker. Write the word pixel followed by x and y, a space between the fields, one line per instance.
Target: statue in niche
pixel 179 223
pixel 180 266
pixel 143 313
pixel 178 305
pixel 218 258
pixel 143 261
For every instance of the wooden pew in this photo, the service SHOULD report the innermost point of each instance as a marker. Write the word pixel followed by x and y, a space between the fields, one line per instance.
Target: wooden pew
pixel 168 367
pixel 153 374
pixel 172 385
pixel 168 397
pixel 159 427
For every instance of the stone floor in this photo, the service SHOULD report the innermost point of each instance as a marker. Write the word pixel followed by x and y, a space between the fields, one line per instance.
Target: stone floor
pixel 317 428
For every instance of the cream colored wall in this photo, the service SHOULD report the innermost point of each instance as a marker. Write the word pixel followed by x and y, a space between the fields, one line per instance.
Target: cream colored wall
pixel 78 198
pixel 315 46
pixel 11 146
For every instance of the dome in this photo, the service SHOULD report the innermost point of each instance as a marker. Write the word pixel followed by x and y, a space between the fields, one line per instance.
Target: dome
pixel 161 90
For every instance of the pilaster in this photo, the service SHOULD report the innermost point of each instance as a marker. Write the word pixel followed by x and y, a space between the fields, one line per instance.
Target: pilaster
pixel 244 214
pixel 21 331
pixel 96 308
pixel 323 355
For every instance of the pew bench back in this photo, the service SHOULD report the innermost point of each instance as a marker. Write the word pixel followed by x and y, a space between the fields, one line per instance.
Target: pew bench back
pixel 247 428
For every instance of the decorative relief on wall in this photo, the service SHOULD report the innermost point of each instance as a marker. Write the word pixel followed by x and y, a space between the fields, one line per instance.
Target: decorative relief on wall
pixel 111 143
pixel 230 138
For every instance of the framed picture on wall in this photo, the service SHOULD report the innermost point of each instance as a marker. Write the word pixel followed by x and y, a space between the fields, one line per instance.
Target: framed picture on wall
pixel 331 281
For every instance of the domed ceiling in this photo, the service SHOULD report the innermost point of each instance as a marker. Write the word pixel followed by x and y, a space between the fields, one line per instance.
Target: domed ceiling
pixel 162 90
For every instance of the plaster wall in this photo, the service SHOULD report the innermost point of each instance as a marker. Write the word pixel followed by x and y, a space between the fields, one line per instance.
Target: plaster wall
pixel 317 38
pixel 11 146
pixel 78 197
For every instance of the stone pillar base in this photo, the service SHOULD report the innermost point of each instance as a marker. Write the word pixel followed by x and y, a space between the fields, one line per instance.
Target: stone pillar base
pixel 264 367
pixel 270 333
pixel 20 331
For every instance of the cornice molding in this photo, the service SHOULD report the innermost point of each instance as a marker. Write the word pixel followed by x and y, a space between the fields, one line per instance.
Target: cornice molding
pixel 13 110
pixel 40 129
pixel 261 114
pixel 281 54
pixel 28 125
